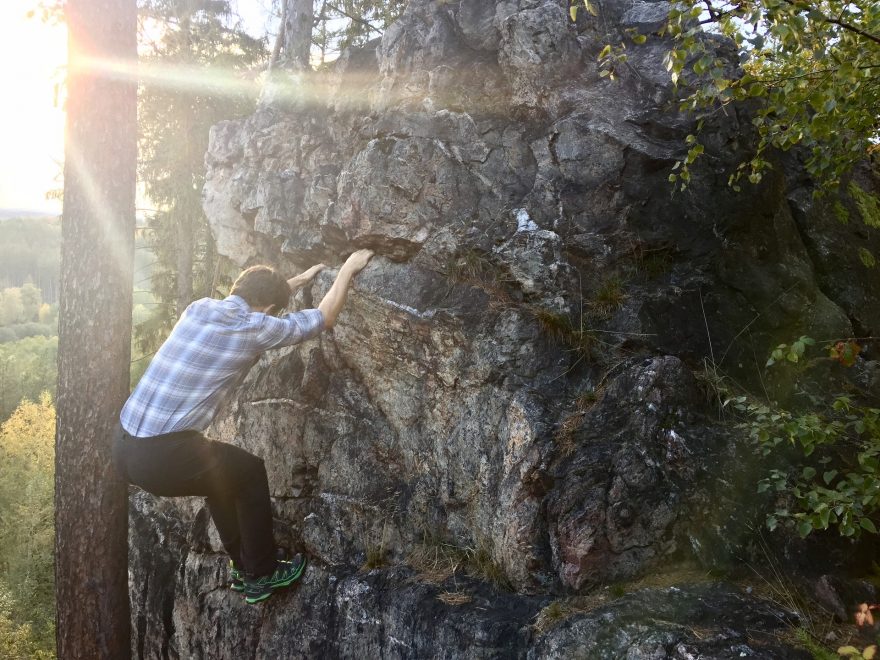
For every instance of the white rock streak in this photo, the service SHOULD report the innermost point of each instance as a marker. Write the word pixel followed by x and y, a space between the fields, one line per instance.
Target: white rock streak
pixel 524 221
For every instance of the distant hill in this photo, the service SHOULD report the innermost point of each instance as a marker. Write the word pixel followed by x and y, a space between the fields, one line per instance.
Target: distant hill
pixel 10 214
pixel 30 251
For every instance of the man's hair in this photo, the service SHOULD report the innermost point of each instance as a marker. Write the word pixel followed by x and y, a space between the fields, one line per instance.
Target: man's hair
pixel 261 286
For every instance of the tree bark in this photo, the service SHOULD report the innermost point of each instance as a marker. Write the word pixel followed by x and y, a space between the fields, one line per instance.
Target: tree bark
pixel 279 38
pixel 185 246
pixel 91 503
pixel 298 33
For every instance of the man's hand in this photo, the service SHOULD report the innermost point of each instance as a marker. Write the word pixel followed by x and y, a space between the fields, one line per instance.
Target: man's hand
pixel 333 301
pixel 356 262
pixel 314 270
pixel 298 282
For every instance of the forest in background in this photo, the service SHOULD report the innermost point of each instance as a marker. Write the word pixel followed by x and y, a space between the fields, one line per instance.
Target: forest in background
pixel 30 264
pixel 175 263
pixel 29 275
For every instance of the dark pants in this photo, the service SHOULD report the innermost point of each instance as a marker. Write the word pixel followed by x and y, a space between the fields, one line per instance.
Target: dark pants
pixel 232 480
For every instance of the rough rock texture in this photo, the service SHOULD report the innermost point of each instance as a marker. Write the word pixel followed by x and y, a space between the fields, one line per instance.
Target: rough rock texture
pixel 514 376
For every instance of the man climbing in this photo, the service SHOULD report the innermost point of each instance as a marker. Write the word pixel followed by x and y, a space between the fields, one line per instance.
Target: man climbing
pixel 161 447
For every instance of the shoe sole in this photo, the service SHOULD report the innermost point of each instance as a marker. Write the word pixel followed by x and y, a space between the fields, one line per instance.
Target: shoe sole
pixel 280 585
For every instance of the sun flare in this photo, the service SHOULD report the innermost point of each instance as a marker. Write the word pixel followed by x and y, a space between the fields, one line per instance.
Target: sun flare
pixel 33 54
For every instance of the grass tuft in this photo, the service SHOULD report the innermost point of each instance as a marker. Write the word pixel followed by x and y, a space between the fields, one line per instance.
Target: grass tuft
pixel 560 329
pixel 454 598
pixel 436 561
pixel 608 297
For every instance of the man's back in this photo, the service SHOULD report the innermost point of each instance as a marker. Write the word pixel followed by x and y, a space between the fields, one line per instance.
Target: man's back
pixel 204 359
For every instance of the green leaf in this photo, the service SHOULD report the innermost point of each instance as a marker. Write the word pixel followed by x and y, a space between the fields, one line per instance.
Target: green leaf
pixel 867 258
pixel 808 473
pixel 591 8
pixel 605 51
pixel 868 525
pixel 804 528
pixel 640 38
pixel 573 12
pixel 828 476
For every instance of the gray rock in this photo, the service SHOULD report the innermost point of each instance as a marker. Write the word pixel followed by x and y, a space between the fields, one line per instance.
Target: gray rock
pixel 513 378
pixel 646 16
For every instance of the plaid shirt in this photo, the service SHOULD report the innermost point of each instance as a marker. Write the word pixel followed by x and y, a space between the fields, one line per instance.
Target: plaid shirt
pixel 206 357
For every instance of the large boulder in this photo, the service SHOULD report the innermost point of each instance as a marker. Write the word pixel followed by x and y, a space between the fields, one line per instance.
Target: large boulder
pixel 515 376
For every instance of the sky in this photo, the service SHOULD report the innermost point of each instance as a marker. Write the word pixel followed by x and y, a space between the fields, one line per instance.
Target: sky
pixel 32 57
pixel 31 121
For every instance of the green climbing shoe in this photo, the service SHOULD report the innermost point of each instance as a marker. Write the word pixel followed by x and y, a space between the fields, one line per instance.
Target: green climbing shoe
pixel 286 573
pixel 236 578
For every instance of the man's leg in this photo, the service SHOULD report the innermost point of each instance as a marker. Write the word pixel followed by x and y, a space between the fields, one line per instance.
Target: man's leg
pixel 233 481
pixel 247 523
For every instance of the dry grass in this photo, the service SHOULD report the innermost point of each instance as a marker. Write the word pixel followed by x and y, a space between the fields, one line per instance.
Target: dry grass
pixel 560 329
pixel 564 436
pixel 377 552
pixel 437 561
pixel 475 268
pixel 588 399
pixel 608 297
pixel 454 598
pixel 563 609
pixel 377 557
pixel 560 610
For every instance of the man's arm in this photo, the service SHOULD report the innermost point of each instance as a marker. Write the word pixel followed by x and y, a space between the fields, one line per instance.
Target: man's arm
pixel 298 282
pixel 333 301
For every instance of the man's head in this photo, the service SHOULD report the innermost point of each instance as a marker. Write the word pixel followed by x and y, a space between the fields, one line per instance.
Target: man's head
pixel 262 287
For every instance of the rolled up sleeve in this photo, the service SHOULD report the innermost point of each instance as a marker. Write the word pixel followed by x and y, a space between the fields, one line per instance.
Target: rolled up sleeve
pixel 289 329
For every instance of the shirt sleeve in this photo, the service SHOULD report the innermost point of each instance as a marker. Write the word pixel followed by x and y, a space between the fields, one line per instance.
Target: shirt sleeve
pixel 292 328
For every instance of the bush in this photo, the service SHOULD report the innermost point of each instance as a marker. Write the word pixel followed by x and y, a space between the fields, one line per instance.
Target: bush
pixel 18 331
pixel 832 451
pixel 33 329
pixel 27 368
pixel 26 528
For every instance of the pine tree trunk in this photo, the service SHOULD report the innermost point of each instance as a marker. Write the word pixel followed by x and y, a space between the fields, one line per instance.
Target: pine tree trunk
pixel 185 246
pixel 209 268
pixel 91 503
pixel 299 18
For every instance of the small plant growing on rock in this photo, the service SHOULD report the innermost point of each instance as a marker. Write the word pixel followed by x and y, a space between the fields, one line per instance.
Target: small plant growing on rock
pixel 454 598
pixel 559 328
pixel 608 298
pixel 437 560
pixel 837 483
pixel 476 269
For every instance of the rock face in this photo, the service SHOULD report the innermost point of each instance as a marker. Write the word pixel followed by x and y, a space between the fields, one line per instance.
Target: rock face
pixel 512 385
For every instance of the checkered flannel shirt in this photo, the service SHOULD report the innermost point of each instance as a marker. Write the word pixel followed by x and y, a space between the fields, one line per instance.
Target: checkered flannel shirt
pixel 206 357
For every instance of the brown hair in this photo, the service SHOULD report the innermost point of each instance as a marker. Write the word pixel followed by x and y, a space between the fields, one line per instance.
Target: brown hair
pixel 261 286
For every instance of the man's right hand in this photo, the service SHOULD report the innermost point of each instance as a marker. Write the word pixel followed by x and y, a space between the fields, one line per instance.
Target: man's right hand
pixel 356 262
pixel 334 299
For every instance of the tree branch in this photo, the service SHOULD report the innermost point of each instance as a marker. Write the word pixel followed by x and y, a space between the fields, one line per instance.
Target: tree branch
pixel 356 19
pixel 279 38
pixel 835 21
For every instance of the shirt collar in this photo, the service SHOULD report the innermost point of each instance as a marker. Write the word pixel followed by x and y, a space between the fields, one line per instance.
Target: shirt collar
pixel 238 301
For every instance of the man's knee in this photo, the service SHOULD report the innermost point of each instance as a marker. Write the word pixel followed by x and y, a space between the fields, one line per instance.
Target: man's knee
pixel 244 463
